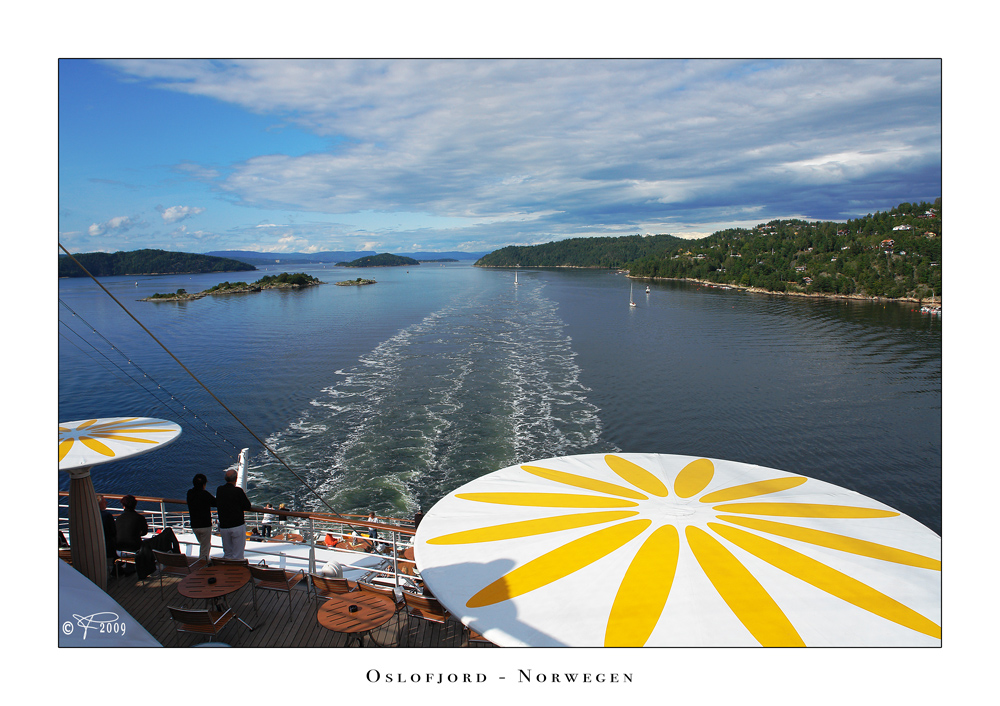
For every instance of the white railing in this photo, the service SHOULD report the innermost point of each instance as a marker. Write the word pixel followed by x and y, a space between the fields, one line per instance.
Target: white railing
pixel 307 529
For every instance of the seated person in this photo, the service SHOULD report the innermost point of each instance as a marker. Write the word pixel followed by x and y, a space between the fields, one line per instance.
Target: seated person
pixel 130 526
pixel 329 540
pixel 108 524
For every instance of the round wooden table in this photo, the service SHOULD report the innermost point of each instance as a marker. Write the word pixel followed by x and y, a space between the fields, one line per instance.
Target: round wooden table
pixel 372 612
pixel 228 578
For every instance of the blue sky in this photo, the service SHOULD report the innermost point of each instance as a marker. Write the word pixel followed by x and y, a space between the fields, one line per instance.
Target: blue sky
pixel 404 155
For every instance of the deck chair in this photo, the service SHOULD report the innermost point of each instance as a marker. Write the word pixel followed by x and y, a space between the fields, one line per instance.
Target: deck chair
pixel 202 622
pixel 425 608
pixel 175 565
pixel 389 595
pixel 266 579
pixel 326 586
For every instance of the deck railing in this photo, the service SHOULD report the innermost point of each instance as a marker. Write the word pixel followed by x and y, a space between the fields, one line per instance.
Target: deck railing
pixel 394 534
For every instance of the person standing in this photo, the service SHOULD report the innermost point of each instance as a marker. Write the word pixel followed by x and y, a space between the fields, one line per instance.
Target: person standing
pixel 267 522
pixel 230 503
pixel 200 504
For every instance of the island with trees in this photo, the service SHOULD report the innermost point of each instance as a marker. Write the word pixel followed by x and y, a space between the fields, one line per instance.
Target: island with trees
pixel 282 281
pixel 147 262
pixel 355 282
pixel 894 254
pixel 382 260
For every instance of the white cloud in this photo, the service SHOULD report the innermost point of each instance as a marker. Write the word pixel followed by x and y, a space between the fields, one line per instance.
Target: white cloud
pixel 564 147
pixel 114 226
pixel 173 214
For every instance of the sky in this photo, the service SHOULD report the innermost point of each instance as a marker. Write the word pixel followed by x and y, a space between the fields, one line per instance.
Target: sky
pixel 472 155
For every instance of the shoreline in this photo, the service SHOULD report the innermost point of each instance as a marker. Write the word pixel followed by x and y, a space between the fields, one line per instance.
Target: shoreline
pixel 810 295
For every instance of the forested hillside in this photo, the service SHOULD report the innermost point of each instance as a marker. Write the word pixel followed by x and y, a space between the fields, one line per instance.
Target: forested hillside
pixel 581 252
pixel 147 262
pixel 894 254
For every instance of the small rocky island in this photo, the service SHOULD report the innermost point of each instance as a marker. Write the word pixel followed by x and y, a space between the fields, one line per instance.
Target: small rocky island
pixel 282 281
pixel 355 282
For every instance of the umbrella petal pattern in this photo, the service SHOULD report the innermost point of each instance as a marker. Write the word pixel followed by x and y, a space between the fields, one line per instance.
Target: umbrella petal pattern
pixel 111 439
pixel 725 527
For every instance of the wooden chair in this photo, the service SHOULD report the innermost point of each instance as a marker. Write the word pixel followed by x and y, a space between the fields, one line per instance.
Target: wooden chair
pixel 424 608
pixel 266 579
pixel 202 622
pixel 66 555
pixel 326 586
pixel 175 565
pixel 386 593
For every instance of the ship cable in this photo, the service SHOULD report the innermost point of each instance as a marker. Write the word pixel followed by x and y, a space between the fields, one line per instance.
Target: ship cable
pixel 114 366
pixel 204 387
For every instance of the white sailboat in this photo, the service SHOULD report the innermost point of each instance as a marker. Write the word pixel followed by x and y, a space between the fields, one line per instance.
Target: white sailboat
pixel 515 278
pixel 647 289
pixel 631 301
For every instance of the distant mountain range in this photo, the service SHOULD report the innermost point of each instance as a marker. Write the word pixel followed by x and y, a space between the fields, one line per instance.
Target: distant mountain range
pixel 334 256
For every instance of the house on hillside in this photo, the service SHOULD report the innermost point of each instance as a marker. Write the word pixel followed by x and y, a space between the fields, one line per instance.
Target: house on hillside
pixel 904 226
pixel 887 244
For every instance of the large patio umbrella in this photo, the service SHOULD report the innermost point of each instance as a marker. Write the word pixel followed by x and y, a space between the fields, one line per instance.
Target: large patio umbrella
pixel 661 550
pixel 87 443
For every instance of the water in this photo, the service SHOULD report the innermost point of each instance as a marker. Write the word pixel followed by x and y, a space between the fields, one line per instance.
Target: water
pixel 389 396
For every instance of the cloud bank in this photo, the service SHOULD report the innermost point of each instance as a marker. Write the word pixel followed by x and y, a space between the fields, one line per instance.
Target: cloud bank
pixel 529 151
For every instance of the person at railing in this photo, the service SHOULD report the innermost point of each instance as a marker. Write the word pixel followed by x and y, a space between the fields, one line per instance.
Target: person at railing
pixel 267 522
pixel 130 526
pixel 231 502
pixel 200 503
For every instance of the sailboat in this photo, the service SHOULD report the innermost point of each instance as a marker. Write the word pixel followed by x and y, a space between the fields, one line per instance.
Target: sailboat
pixel 647 289
pixel 631 301
pixel 515 278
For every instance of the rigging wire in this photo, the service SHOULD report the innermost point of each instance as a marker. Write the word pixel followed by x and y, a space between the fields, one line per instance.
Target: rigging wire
pixel 146 375
pixel 233 454
pixel 195 378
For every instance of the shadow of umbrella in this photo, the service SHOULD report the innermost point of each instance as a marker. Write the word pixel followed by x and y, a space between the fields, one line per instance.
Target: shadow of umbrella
pixel 88 443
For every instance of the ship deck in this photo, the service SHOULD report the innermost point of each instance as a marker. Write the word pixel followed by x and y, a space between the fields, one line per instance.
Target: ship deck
pixel 271 625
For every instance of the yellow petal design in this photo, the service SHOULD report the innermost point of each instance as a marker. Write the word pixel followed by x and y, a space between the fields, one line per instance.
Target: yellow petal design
pixel 64 447
pixel 546 499
pixel 805 510
pixel 827 579
pixel 694 478
pixel 126 438
pixel 636 475
pixel 558 563
pixel 87 424
pixel 583 482
pixel 742 592
pixel 95 445
pixel 749 490
pixel 644 590
pixel 838 542
pixel 529 528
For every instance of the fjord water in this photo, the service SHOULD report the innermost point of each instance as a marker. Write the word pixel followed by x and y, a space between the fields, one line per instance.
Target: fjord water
pixel 387 397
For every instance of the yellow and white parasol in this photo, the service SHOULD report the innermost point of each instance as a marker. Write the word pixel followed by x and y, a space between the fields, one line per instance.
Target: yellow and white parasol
pixel 93 441
pixel 661 550
pixel 87 443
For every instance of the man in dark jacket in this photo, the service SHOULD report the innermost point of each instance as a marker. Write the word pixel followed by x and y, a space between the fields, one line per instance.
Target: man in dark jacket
pixel 230 503
pixel 130 526
pixel 110 534
pixel 200 504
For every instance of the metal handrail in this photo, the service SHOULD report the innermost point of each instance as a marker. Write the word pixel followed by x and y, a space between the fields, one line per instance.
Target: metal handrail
pixel 162 518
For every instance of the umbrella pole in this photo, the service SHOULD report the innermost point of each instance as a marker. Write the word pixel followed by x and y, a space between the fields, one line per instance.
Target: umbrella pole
pixel 86 531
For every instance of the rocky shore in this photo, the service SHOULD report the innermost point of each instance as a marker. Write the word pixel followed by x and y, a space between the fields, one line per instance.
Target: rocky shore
pixel 229 290
pixel 809 295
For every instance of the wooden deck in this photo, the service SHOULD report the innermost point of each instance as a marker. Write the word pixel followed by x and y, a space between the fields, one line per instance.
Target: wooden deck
pixel 271 626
